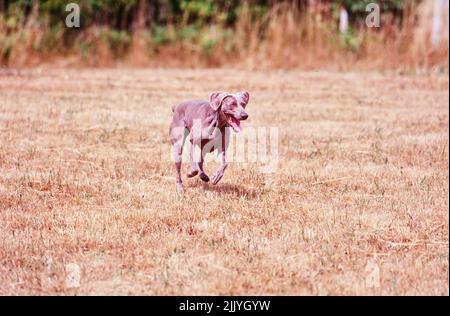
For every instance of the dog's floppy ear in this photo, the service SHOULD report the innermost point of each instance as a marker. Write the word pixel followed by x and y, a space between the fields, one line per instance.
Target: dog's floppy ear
pixel 216 99
pixel 245 97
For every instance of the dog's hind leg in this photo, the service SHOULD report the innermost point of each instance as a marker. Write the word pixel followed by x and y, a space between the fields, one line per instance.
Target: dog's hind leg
pixel 178 136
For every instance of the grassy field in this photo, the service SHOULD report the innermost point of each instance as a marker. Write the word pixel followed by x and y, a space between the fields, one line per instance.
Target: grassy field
pixel 358 204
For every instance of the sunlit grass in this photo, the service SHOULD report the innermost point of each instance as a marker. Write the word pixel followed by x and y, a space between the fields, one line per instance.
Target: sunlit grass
pixel 362 182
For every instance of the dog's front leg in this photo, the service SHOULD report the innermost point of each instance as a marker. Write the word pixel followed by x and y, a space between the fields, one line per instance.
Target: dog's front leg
pixel 223 145
pixel 194 164
pixel 203 176
pixel 221 170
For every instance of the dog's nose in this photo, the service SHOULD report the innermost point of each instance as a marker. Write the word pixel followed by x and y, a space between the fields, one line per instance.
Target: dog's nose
pixel 244 116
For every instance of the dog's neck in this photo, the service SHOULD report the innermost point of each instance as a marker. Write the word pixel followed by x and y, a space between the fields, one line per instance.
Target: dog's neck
pixel 221 120
pixel 213 122
pixel 216 119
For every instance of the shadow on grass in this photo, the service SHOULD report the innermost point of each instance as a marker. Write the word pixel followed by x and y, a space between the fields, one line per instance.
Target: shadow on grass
pixel 227 189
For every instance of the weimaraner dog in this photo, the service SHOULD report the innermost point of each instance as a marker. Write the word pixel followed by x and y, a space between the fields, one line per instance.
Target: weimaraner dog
pixel 207 125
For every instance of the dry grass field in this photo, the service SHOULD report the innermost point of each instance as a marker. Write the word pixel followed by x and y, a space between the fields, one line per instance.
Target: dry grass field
pixel 358 204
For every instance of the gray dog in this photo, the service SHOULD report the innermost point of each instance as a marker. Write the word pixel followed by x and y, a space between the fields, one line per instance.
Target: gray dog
pixel 207 125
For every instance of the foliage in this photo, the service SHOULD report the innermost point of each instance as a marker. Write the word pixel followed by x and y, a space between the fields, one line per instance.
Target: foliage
pixel 201 25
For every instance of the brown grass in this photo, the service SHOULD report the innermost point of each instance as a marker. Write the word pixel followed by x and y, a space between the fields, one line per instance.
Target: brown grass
pixel 362 185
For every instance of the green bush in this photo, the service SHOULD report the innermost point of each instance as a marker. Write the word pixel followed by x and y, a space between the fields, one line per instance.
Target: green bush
pixel 166 22
pixel 160 35
pixel 117 41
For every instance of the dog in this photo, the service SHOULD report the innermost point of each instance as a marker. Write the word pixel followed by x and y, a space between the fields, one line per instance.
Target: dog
pixel 207 123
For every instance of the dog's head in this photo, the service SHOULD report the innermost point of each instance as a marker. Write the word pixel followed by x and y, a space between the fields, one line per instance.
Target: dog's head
pixel 231 107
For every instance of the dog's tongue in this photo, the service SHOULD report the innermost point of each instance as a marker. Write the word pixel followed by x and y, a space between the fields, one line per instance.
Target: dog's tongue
pixel 235 124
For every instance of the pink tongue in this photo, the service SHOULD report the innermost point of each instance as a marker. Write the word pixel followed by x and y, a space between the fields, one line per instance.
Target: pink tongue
pixel 235 124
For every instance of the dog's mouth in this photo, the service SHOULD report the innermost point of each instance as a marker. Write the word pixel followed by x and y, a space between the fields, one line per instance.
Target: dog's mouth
pixel 234 123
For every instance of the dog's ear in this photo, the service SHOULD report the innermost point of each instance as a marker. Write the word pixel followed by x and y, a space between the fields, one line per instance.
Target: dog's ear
pixel 216 99
pixel 245 97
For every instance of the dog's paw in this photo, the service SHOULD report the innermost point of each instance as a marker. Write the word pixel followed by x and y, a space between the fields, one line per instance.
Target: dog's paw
pixel 192 173
pixel 216 178
pixel 204 177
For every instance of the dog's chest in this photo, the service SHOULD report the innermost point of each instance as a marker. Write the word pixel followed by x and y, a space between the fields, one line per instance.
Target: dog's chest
pixel 209 139
pixel 198 135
